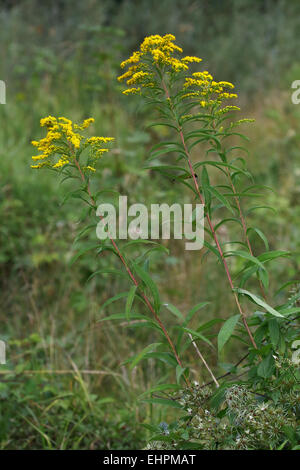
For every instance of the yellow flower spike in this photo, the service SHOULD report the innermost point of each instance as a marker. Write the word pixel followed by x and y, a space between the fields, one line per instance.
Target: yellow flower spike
pixel 92 140
pixel 226 84
pixel 128 74
pixel 61 162
pixel 134 59
pixel 48 121
pixel 86 123
pixel 132 91
pixel 138 77
pixel 39 157
pixel 191 59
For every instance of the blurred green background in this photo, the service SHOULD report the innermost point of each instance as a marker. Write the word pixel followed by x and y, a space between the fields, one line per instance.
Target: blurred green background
pixel 62 58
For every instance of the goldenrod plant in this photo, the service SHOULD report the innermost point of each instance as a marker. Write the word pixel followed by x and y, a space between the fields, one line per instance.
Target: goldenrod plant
pixel 66 150
pixel 204 140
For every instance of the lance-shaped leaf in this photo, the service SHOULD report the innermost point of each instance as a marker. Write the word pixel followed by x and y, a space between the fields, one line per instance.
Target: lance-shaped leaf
pixel 226 331
pixel 150 284
pixel 221 198
pixel 258 301
pixel 129 301
pixel 136 359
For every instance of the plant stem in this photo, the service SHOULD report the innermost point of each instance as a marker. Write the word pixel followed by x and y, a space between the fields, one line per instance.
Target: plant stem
pixel 131 275
pixel 204 361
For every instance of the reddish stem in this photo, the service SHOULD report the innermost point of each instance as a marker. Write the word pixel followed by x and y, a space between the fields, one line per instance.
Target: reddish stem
pixel 131 275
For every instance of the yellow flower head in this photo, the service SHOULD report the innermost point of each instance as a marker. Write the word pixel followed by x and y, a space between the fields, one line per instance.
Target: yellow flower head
pixel 155 53
pixel 202 85
pixel 63 146
pixel 158 57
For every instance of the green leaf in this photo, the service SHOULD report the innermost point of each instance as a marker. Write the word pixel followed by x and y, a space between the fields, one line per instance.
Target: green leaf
pixel 166 357
pixel 261 235
pixel 123 316
pixel 274 332
pixel 220 164
pixel 168 167
pixel 180 371
pixel 209 324
pixel 247 273
pixel 84 231
pixel 214 250
pixel 83 251
pixel 246 255
pixel 205 187
pixel 147 253
pixel 286 284
pixel 188 318
pixel 269 255
pixel 194 310
pixel 196 334
pixel 163 124
pixel 109 301
pixel 226 331
pixel 254 208
pixel 266 368
pixel 229 219
pixel 159 388
pixel 221 198
pixel 165 151
pixel 288 311
pixel 136 359
pixel 263 276
pixel 116 272
pixel 258 301
pixel 174 310
pixel 150 284
pixel 129 301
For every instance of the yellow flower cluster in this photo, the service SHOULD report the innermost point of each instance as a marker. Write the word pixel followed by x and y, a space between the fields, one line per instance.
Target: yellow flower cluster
pixel 158 51
pixel 191 59
pixel 86 123
pixel 62 144
pixel 203 86
pixel 96 144
pixel 159 55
